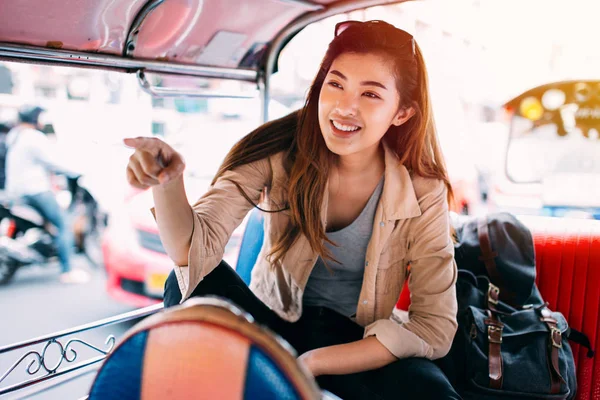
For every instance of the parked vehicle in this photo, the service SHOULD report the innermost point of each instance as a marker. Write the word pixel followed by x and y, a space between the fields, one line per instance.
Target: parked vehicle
pixel 137 264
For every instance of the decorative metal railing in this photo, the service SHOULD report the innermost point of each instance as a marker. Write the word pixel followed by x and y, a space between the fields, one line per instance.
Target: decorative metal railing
pixel 39 360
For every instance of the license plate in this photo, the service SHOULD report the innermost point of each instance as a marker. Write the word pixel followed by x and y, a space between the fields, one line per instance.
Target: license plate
pixel 155 284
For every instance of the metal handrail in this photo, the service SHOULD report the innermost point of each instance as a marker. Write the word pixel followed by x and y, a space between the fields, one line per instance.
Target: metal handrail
pixel 67 353
pixel 38 389
pixel 120 318
pixel 79 58
pixel 157 91
pixel 134 30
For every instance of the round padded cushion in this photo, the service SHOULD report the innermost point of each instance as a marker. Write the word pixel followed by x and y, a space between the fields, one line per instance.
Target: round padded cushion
pixel 204 349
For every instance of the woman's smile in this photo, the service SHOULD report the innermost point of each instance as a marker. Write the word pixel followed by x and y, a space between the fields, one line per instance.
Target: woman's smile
pixel 343 130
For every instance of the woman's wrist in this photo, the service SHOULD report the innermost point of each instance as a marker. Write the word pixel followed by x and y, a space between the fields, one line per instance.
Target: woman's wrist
pixel 170 186
pixel 309 360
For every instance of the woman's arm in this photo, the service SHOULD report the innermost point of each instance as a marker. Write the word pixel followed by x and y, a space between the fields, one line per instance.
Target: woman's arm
pixel 174 217
pixel 194 236
pixel 156 164
pixel 349 358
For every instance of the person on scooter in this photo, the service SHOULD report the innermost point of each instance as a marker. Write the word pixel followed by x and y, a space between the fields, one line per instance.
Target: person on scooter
pixel 29 164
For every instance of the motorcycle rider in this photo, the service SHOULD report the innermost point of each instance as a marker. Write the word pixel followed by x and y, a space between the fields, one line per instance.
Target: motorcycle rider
pixel 29 163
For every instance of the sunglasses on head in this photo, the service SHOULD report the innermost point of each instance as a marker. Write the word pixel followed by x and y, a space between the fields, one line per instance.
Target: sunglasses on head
pixel 403 36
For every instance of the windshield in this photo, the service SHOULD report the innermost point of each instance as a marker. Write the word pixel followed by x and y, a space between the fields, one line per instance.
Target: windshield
pixel 538 152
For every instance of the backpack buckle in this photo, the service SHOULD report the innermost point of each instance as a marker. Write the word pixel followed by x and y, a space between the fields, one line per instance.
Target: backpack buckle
pixel 556 337
pixel 493 294
pixel 495 334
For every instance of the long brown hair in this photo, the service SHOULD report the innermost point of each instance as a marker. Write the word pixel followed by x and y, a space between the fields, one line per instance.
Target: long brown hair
pixel 307 158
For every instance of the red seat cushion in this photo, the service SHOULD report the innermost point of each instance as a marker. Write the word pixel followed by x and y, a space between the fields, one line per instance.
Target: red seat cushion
pixel 568 276
pixel 404 300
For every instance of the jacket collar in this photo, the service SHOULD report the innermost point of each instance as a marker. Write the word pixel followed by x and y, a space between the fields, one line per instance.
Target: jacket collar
pixel 398 198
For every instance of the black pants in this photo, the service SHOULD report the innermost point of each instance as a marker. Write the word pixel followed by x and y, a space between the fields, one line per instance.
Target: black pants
pixel 410 378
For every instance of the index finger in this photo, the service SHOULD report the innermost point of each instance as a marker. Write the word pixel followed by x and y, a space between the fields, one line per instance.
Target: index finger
pixel 149 144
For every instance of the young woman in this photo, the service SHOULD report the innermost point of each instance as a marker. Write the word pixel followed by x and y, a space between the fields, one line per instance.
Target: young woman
pixel 353 189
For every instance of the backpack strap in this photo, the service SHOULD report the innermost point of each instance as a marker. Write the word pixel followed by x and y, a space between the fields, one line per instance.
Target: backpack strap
pixel 495 364
pixel 488 256
pixel 554 344
pixel 581 339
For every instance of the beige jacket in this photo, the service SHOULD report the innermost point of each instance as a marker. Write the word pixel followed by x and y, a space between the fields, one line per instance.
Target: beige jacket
pixel 411 226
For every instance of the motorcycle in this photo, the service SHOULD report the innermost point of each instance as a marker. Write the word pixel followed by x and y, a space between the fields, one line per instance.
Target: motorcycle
pixel 26 238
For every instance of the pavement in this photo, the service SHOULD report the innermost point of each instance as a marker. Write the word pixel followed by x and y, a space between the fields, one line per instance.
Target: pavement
pixel 36 303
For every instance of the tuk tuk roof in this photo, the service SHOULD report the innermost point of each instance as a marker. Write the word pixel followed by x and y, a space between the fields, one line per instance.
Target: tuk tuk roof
pixel 211 38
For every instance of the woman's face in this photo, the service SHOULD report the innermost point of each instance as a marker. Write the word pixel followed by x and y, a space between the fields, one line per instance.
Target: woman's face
pixel 358 103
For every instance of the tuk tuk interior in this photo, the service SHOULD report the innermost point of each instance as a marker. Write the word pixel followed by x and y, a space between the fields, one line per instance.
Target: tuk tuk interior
pixel 218 39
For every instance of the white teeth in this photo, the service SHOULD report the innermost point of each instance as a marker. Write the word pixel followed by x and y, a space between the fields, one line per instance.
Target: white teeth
pixel 345 128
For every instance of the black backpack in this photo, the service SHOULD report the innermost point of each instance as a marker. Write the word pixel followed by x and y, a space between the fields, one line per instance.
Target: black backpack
pixel 509 344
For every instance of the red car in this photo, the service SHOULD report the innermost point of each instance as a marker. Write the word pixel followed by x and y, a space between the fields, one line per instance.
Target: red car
pixel 136 262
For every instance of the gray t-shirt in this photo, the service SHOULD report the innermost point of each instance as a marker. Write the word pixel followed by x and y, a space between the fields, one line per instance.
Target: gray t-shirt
pixel 339 287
